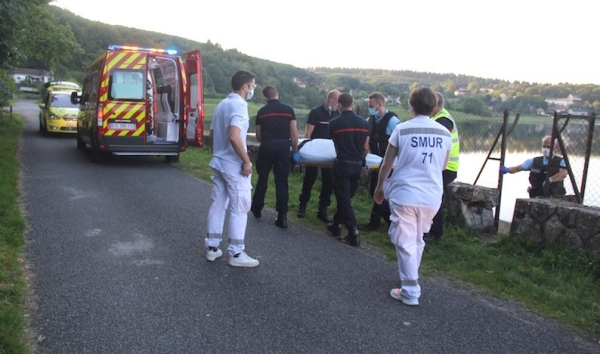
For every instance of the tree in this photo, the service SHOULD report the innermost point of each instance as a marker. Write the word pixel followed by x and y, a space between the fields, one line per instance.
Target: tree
pixel 475 105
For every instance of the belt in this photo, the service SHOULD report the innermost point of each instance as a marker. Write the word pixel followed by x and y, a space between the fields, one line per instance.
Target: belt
pixel 276 140
pixel 350 162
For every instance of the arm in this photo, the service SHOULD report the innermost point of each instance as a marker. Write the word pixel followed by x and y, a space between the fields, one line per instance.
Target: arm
pixel 294 134
pixel 561 175
pixel 515 169
pixel 258 133
pixel 384 172
pixel 308 130
pixel 240 149
pixel 366 148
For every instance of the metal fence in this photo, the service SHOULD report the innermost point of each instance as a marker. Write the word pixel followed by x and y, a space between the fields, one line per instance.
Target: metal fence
pixel 485 143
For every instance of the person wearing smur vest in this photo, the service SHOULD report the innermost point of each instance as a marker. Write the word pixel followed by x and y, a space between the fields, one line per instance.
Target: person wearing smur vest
pixel 419 149
pixel 381 125
pixel 443 117
pixel 350 135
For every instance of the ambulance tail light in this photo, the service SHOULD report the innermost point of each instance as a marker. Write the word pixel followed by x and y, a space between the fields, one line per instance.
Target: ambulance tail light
pixel 100 115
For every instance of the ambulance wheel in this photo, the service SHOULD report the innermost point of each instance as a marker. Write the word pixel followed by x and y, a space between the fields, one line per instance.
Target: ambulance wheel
pixel 98 156
pixel 172 158
pixel 80 143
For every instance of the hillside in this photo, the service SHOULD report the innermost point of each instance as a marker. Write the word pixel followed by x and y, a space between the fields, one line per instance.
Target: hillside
pixel 306 88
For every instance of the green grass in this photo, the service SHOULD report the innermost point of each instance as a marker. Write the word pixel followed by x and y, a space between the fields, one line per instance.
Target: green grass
pixel 557 283
pixel 12 226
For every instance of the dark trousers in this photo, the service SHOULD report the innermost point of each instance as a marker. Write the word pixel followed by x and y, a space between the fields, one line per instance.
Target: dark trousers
pixel 346 176
pixel 310 176
pixel 437 227
pixel 272 154
pixel 378 211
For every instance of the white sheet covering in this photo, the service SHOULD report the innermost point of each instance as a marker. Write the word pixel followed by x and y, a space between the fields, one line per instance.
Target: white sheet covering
pixel 322 152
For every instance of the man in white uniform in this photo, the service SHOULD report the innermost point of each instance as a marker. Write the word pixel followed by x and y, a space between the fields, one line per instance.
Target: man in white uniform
pixel 419 149
pixel 231 172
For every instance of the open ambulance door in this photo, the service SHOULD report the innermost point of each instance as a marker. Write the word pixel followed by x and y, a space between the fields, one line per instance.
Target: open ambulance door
pixel 195 99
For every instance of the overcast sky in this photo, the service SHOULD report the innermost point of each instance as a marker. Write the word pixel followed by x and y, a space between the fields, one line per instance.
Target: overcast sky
pixel 545 42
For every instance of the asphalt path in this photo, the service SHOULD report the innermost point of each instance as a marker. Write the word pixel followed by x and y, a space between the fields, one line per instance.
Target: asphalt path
pixel 116 255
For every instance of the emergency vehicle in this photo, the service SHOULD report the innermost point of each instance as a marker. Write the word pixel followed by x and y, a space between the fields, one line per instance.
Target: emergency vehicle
pixel 57 113
pixel 141 101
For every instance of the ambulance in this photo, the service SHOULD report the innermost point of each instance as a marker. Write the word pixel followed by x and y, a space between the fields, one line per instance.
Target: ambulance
pixel 141 102
pixel 57 113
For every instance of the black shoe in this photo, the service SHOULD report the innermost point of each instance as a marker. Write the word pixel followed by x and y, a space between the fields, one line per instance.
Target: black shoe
pixel 302 210
pixel 281 220
pixel 322 215
pixel 368 227
pixel 257 213
pixel 353 239
pixel 336 230
pixel 429 237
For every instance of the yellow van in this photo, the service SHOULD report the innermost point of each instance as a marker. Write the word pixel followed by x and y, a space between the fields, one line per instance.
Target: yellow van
pixel 141 102
pixel 57 113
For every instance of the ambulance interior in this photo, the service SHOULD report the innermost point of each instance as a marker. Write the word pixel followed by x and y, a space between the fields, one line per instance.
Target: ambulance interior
pixel 162 92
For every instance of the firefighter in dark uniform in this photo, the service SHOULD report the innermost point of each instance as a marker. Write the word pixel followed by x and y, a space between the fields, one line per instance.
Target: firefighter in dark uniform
pixel 381 125
pixel 546 174
pixel 276 130
pixel 317 127
pixel 350 134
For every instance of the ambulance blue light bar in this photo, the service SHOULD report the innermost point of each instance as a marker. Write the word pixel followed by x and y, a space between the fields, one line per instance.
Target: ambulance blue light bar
pixel 141 49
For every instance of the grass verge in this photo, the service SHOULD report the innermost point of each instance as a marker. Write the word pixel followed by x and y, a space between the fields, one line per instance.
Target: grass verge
pixel 12 226
pixel 556 283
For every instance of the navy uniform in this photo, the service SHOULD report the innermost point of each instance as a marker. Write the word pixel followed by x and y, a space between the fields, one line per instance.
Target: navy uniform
pixel 349 133
pixel 320 118
pixel 274 153
pixel 379 134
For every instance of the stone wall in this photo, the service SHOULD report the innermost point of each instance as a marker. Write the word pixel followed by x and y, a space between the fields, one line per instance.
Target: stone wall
pixel 554 222
pixel 471 206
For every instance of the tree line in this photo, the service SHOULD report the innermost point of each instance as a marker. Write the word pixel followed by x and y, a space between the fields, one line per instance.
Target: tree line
pixel 41 36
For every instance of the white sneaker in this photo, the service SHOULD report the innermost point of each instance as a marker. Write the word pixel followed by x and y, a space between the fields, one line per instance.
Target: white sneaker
pixel 212 255
pixel 242 260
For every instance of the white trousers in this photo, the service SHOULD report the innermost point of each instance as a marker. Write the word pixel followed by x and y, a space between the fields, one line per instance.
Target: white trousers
pixel 408 224
pixel 231 193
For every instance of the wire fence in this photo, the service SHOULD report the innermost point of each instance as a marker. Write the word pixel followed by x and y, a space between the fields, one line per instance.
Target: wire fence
pixel 481 149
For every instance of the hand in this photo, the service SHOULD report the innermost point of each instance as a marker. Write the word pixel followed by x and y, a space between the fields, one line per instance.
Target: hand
pixel 296 158
pixel 504 170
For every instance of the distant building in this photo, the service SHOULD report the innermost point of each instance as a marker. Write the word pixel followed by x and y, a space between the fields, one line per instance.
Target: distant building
pixel 564 102
pixel 30 75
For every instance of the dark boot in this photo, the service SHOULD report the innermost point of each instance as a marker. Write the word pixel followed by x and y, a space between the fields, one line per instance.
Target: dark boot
pixel 322 214
pixel 302 210
pixel 353 239
pixel 335 229
pixel 281 220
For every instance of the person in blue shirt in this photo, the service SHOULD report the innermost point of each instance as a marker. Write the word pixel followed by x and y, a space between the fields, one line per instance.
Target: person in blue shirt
pixel 546 174
pixel 382 123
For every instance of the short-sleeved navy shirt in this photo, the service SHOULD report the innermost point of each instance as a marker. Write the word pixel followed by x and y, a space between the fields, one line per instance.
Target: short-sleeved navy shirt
pixel 349 133
pixel 274 119
pixel 320 117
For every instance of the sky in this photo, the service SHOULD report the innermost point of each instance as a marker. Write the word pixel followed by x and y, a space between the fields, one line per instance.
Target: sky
pixel 544 42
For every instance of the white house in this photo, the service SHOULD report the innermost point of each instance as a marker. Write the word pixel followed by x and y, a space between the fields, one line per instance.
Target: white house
pixel 32 75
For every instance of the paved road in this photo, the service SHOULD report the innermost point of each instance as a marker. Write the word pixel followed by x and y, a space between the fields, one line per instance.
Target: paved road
pixel 118 266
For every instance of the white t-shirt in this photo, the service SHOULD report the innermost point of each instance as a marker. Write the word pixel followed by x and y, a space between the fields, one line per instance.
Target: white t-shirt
pixel 233 110
pixel 422 148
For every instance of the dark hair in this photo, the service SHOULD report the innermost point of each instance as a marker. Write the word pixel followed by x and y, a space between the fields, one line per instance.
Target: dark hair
pixel 345 100
pixel 422 100
pixel 269 92
pixel 240 78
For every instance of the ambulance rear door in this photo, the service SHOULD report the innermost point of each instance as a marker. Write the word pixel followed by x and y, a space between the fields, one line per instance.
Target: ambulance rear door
pixel 194 98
